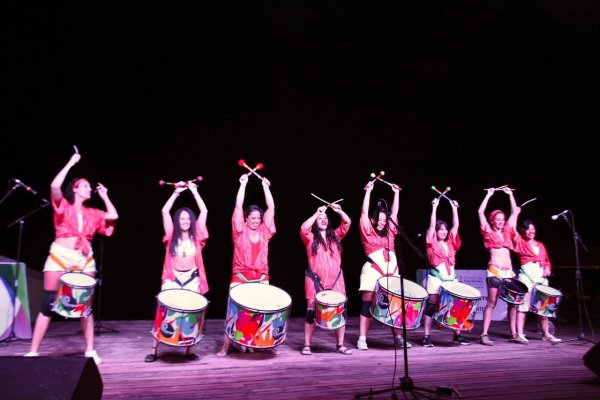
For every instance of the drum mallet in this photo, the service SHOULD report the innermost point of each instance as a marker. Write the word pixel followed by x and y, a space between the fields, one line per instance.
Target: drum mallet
pixel 498 188
pixel 242 163
pixel 443 194
pixel 379 178
pixel 375 177
pixel 325 201
pixel 180 184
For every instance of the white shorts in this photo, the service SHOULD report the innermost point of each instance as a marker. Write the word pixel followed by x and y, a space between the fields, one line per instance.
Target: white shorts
pixel 63 259
pixel 370 275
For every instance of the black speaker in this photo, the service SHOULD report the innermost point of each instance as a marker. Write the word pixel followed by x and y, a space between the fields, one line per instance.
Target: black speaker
pixel 591 359
pixel 49 378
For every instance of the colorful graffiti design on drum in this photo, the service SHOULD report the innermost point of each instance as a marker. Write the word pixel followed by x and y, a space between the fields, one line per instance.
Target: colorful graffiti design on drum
pixel 512 291
pixel 179 317
pixel 457 305
pixel 545 301
pixel 331 309
pixel 257 315
pixel 75 295
pixel 387 302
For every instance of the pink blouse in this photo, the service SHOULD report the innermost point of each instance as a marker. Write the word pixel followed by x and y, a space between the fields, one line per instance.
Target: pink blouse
pixel 66 224
pixel 372 242
pixel 326 263
pixel 245 260
pixel 436 254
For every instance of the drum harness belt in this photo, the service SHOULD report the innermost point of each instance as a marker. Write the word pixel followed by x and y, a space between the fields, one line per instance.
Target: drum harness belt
pixel 246 280
pixel 435 272
pixel 194 274
pixel 522 271
pixel 378 268
pixel 61 264
pixel 318 285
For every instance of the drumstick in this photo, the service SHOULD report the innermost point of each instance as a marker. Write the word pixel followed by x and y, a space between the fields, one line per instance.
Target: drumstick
pixel 76 149
pixel 180 184
pixel 381 173
pixel 325 201
pixel 382 180
pixel 443 194
pixel 529 201
pixel 242 163
pixel 499 188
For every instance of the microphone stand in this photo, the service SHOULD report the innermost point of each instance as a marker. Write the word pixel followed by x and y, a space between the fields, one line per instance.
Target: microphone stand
pixel 578 282
pixel 406 382
pixel 98 323
pixel 14 294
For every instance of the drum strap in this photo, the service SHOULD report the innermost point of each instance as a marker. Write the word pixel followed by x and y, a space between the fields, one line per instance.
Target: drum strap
pixel 246 280
pixel 522 271
pixel 318 285
pixel 61 264
pixel 378 268
pixel 191 278
pixel 436 273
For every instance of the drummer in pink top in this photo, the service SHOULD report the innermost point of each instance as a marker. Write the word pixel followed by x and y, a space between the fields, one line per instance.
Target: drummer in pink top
pixel 377 234
pixel 535 270
pixel 324 271
pixel 498 235
pixel 185 237
pixel 75 226
pixel 442 245
pixel 252 229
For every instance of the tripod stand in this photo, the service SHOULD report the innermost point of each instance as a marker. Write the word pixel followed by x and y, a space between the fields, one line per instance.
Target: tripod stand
pixel 98 326
pixel 578 282
pixel 21 221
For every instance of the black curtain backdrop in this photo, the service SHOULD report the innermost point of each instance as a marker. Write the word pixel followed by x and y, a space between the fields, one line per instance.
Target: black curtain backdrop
pixel 463 94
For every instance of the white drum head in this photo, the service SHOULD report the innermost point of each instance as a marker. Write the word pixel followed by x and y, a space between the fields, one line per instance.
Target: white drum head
pixel 77 279
pixel 412 290
pixel 548 290
pixel 182 299
pixel 260 297
pixel 330 297
pixel 462 290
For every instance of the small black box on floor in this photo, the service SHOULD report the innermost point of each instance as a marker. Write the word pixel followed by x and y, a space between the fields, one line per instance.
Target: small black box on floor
pixel 49 378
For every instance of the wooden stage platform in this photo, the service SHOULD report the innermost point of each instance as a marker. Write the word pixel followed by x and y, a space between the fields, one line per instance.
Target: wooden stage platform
pixel 538 370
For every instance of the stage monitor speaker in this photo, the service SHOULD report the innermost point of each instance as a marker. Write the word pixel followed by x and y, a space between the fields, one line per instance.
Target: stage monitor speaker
pixel 49 378
pixel 591 359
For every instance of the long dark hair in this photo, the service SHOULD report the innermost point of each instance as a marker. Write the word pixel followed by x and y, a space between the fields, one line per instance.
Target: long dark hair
pixel 381 207
pixel 330 238
pixel 177 228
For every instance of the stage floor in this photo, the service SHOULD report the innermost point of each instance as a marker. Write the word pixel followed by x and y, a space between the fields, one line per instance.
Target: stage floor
pixel 538 370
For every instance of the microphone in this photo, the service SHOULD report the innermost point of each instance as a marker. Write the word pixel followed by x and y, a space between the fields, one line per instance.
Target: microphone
pixel 25 186
pixel 555 217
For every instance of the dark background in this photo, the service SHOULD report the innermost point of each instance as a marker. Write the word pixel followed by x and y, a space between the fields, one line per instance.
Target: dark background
pixel 463 94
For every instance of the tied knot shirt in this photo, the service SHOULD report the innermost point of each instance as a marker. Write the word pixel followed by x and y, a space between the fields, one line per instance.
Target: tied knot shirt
pixel 248 260
pixel 66 224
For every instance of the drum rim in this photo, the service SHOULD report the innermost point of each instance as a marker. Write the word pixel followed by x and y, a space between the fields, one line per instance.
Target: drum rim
pixel 180 309
pixel 405 297
pixel 79 286
pixel 458 294
pixel 256 309
pixel 523 287
pixel 332 304
pixel 559 293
